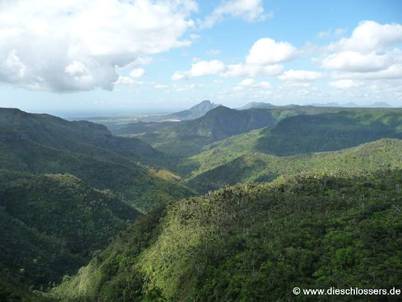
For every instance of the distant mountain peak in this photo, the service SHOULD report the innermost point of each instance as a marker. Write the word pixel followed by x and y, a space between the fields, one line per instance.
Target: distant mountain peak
pixel 204 103
pixel 204 106
pixel 194 112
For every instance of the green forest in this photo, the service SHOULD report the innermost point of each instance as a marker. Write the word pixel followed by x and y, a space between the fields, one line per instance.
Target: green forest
pixel 223 205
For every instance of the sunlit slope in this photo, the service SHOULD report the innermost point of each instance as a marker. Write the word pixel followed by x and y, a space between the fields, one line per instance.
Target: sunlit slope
pixel 258 167
pixel 331 131
pixel 253 242
pixel 299 135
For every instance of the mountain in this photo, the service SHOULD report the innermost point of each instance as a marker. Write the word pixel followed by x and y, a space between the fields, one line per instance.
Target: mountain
pixel 52 224
pixel 330 131
pixel 193 113
pixel 75 136
pixel 188 137
pixel 298 133
pixel 252 242
pixel 39 144
pixel 257 105
pixel 289 130
pixel 259 167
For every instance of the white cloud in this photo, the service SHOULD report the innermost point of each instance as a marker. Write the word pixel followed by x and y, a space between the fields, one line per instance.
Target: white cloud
pixel 344 84
pixel 357 62
pixel 268 51
pixel 137 73
pixel 371 36
pixel 263 59
pixel 132 78
pixel 200 68
pixel 370 52
pixel 390 73
pixel 77 45
pixel 249 10
pixel 300 75
pixel 203 68
pixel 127 81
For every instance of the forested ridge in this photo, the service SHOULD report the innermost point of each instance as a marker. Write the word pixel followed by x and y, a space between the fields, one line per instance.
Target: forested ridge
pixel 233 205
pixel 255 242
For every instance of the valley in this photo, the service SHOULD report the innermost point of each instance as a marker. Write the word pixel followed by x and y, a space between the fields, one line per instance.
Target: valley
pixel 200 151
pixel 138 211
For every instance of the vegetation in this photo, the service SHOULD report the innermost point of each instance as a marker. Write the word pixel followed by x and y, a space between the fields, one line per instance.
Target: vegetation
pixel 189 137
pixel 53 224
pixel 248 243
pixel 331 131
pixel 44 144
pixel 219 153
pixel 71 194
pixel 289 130
pixel 260 167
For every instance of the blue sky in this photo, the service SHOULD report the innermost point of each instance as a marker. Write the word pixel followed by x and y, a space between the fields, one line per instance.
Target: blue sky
pixel 137 56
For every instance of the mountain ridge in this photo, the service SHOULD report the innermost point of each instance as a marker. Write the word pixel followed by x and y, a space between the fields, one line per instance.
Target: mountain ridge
pixel 46 144
pixel 250 242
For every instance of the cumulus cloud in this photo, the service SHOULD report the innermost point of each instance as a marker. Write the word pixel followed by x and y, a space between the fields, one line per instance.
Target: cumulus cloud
pixel 132 78
pixel 370 52
pixel 371 36
pixel 249 10
pixel 268 51
pixel 300 75
pixel 78 45
pixel 357 62
pixel 201 68
pixel 263 59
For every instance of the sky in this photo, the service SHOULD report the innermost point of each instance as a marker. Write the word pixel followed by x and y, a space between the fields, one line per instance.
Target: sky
pixel 125 56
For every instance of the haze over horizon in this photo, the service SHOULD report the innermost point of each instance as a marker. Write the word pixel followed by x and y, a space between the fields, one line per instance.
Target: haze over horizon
pixel 168 55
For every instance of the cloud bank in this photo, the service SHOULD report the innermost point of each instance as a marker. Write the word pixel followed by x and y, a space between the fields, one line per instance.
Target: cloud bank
pixel 79 45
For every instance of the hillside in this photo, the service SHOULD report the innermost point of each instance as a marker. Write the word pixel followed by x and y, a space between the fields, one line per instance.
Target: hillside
pixel 300 134
pixel 188 137
pixel 76 136
pixel 260 167
pixel 330 131
pixel 52 224
pixel 45 144
pixel 219 153
pixel 253 242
